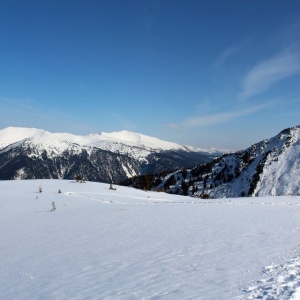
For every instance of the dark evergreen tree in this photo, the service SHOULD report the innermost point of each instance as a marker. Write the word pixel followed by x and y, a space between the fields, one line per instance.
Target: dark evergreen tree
pixel 185 188
pixel 146 184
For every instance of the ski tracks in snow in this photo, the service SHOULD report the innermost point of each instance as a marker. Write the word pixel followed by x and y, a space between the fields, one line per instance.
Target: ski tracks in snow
pixel 107 198
pixel 278 281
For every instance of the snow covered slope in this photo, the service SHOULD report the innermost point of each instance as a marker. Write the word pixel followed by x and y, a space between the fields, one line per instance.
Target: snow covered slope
pixel 268 168
pixel 33 153
pixel 130 244
pixel 271 167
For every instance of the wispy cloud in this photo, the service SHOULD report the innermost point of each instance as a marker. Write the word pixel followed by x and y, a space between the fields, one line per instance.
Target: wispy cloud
pixel 218 118
pixel 30 113
pixel 269 72
pixel 227 54
pixel 120 120
pixel 172 125
pixel 222 117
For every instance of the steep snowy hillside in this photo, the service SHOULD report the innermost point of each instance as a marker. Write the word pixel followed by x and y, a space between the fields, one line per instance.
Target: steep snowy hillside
pixel 270 167
pixel 33 153
pixel 131 244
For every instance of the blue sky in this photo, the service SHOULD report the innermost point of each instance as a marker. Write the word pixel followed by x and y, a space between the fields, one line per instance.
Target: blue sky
pixel 222 74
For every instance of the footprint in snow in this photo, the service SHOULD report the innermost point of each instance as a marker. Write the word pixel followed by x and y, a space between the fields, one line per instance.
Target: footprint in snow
pixel 279 282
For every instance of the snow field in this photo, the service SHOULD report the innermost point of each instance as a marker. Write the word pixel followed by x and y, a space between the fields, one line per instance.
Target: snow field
pixel 131 244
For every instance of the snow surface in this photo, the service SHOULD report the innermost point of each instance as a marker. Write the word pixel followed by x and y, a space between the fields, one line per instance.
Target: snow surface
pixel 132 244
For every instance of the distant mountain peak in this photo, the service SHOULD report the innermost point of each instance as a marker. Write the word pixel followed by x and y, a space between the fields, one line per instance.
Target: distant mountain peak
pixel 141 140
pixel 35 153
pixel 11 135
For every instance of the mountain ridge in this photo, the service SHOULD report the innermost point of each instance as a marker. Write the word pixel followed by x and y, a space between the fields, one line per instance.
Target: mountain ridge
pixel 268 168
pixel 107 157
pixel 10 135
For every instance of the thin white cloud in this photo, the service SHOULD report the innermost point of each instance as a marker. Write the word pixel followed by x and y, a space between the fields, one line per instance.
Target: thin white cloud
pixel 229 53
pixel 269 72
pixel 218 118
pixel 30 113
pixel 172 125
pixel 120 121
pixel 225 55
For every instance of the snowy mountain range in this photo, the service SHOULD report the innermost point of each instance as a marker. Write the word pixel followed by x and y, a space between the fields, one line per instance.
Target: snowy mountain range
pixel 268 168
pixel 29 153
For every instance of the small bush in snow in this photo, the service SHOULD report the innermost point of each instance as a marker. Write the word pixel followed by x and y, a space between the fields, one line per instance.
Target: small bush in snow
pixel 53 206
